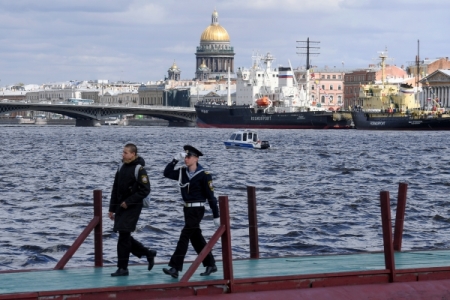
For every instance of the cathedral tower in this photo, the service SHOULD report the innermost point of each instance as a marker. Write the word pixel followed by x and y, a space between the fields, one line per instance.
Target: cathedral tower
pixel 214 55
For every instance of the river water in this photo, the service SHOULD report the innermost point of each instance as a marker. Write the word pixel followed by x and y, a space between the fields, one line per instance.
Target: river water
pixel 317 190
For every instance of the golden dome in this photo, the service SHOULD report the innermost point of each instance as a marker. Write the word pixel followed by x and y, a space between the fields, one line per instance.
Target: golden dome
pixel 174 66
pixel 215 32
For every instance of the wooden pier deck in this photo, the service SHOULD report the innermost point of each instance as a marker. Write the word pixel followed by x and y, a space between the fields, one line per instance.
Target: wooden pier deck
pixel 249 275
pixel 391 274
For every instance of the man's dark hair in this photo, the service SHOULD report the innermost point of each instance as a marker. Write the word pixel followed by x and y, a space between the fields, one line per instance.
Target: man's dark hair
pixel 132 147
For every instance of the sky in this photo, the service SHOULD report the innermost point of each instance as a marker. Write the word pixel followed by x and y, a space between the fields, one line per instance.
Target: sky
pixel 138 40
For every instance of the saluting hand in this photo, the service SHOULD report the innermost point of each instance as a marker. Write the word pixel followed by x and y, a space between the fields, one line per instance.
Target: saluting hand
pixel 179 156
pixel 124 205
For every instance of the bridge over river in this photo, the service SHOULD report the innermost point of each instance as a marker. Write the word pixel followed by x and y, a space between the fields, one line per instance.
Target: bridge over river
pixel 92 115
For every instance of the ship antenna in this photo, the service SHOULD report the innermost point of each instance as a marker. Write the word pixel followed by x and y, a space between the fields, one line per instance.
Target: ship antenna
pixel 417 65
pixel 308 53
pixel 417 70
pixel 229 92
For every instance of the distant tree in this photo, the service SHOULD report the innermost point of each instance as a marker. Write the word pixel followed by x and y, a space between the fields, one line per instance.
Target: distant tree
pixel 20 84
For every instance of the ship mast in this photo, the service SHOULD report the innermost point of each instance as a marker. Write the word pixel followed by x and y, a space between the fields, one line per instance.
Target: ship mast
pixel 308 66
pixel 229 86
pixel 383 57
pixel 417 66
pixel 417 97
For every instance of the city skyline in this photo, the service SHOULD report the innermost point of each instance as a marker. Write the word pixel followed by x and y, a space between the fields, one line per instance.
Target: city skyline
pixel 49 41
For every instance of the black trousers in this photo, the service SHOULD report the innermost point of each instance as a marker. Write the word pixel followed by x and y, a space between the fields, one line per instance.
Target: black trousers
pixel 191 232
pixel 126 245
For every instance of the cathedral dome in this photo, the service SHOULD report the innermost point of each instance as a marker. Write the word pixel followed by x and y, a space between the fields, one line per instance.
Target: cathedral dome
pixel 215 32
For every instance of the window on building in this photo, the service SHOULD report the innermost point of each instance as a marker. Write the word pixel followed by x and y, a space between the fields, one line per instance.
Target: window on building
pixel 334 76
pixel 328 76
pixel 339 87
pixel 331 99
pixel 312 87
pixel 331 87
pixel 339 76
pixel 322 99
pixel 323 87
pixel 339 99
pixel 323 76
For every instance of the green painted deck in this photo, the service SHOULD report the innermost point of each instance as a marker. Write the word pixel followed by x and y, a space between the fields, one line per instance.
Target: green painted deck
pixel 96 278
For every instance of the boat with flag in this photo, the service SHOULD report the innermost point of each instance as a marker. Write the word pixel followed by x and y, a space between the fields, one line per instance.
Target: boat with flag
pixel 270 98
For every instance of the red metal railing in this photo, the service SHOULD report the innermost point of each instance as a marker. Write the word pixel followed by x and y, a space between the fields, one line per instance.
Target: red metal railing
pixel 387 234
pixel 386 222
pixel 252 222
pixel 400 216
pixel 96 225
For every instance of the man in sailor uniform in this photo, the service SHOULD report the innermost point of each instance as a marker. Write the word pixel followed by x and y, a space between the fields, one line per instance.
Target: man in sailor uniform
pixel 196 187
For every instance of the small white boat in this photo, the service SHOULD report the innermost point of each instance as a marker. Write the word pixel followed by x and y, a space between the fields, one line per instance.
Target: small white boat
pixel 246 139
pixel 112 121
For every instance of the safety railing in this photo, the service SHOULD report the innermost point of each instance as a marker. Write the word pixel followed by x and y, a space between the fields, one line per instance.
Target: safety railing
pixel 96 225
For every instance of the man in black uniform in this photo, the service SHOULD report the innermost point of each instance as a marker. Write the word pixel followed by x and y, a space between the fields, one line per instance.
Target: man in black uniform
pixel 196 187
pixel 125 207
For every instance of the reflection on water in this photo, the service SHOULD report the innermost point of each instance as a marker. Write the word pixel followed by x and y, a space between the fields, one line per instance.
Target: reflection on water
pixel 317 190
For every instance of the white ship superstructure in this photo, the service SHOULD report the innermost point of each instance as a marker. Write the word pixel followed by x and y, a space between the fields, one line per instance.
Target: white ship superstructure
pixel 275 86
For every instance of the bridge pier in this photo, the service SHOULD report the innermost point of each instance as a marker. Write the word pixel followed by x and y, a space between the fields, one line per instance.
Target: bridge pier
pixel 87 123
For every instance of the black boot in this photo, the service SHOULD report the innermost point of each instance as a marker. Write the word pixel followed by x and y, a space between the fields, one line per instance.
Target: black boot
pixel 172 272
pixel 209 270
pixel 120 272
pixel 151 258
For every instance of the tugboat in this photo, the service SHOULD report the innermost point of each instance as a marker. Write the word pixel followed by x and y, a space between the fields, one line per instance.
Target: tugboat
pixel 269 98
pixel 246 139
pixel 387 106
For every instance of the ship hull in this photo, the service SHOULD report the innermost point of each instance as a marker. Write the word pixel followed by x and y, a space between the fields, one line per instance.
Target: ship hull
pixel 386 121
pixel 221 116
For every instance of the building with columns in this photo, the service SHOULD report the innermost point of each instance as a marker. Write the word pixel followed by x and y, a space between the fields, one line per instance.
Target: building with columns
pixel 436 86
pixel 214 55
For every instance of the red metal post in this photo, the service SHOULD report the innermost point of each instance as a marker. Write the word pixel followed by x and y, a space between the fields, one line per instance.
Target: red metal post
pixel 400 216
pixel 387 234
pixel 98 231
pixel 227 259
pixel 252 222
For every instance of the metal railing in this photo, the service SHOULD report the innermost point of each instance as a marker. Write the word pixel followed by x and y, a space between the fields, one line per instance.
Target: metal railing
pixel 96 225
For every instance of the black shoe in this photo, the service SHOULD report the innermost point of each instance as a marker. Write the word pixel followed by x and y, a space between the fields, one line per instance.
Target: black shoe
pixel 209 270
pixel 151 258
pixel 120 272
pixel 172 272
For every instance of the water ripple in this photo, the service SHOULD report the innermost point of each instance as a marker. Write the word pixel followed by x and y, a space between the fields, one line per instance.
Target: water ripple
pixel 317 191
